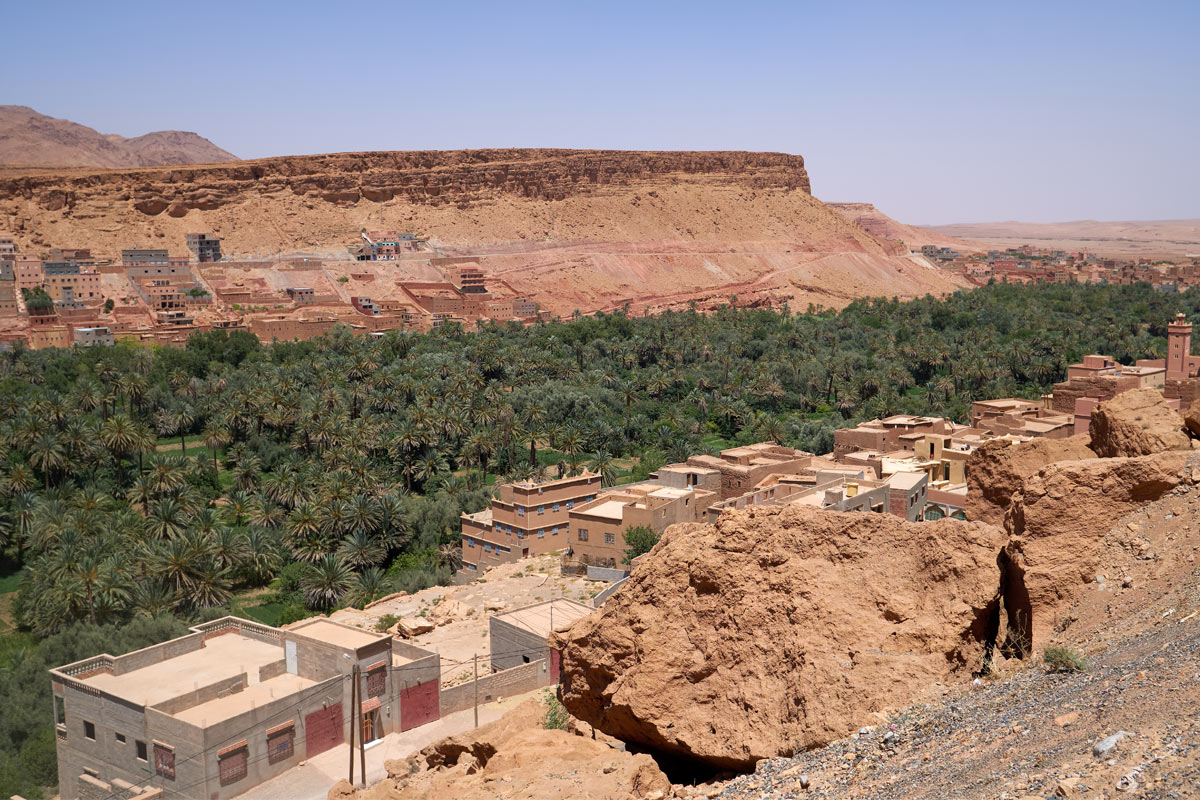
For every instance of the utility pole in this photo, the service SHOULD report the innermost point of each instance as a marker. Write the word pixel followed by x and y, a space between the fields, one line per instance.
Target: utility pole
pixel 477 690
pixel 353 702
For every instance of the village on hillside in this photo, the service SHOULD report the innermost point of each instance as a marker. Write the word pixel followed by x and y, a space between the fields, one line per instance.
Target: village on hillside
pixel 72 296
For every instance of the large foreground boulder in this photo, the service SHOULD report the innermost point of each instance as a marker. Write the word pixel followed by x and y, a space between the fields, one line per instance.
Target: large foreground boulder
pixel 1191 419
pixel 780 628
pixel 997 468
pixel 1136 423
pixel 1059 521
pixel 517 757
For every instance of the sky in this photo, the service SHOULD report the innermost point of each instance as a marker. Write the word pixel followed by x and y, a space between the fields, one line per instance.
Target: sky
pixel 935 112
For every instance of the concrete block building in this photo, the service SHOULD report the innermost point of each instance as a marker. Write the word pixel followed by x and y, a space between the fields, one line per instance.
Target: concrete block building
pixel 206 247
pixel 521 636
pixel 232 704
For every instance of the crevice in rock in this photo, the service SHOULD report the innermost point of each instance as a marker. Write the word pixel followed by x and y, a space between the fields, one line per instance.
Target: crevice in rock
pixel 1018 638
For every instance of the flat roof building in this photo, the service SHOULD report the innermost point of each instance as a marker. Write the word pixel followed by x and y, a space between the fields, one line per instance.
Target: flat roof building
pixel 521 636
pixel 230 705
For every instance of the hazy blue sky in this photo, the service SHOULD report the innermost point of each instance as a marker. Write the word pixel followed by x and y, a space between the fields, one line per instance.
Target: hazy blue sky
pixel 936 112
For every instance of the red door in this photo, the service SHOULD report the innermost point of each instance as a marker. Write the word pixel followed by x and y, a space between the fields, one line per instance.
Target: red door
pixel 419 705
pixel 555 664
pixel 322 730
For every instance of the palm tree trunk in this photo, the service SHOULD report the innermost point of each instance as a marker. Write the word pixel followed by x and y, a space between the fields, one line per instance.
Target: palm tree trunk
pixel 182 442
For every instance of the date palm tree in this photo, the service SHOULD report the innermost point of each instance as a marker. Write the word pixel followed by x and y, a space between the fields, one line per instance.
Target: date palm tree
pixel 326 582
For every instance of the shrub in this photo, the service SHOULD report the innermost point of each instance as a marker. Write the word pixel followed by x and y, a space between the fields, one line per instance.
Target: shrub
pixel 556 715
pixel 1064 659
pixel 385 622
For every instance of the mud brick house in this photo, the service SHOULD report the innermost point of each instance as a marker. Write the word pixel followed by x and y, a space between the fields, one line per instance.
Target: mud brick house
pixel 525 518
pixel 598 528
pixel 232 704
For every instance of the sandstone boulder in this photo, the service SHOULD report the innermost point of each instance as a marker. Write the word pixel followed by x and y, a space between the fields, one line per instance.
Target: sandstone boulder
pixel 1136 423
pixel 1059 521
pixel 516 756
pixel 780 628
pixel 1191 419
pixel 408 627
pixel 997 469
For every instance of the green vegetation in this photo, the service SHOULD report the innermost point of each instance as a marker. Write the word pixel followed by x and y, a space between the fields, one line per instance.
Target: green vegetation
pixel 37 301
pixel 312 475
pixel 27 741
pixel 556 714
pixel 108 306
pixel 1064 659
pixel 385 622
pixel 639 540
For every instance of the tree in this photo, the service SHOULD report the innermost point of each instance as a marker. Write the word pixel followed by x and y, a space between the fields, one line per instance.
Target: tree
pixel 638 540
pixel 325 583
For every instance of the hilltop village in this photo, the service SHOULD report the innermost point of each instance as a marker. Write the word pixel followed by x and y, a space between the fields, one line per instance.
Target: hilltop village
pixel 70 296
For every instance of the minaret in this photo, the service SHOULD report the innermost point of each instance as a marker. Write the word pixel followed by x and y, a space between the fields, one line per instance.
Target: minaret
pixel 1179 348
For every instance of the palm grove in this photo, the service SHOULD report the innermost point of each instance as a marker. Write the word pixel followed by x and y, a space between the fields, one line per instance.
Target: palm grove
pixel 172 482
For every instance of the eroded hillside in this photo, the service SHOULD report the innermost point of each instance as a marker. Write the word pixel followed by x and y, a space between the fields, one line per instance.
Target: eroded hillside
pixel 573 229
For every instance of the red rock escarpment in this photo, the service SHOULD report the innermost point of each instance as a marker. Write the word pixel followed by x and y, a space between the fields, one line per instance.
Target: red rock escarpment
pixel 457 177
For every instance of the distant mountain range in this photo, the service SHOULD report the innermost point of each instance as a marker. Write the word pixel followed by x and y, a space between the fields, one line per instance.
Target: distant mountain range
pixel 28 138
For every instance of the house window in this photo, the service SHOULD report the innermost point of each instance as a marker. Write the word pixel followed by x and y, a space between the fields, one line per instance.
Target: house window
pixel 470 542
pixel 121 738
pixel 556 506
pixel 487 548
pixel 541 533
pixel 554 531
pixel 541 509
pixel 520 511
pixel 583 534
pixel 281 743
pixel 570 504
pixel 60 711
pixel 610 538
pixel 377 681
pixel 89 730
pixel 164 761
pixel 232 763
pixel 141 750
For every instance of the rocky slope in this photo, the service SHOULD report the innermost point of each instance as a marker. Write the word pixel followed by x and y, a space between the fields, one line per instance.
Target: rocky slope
pixel 573 229
pixel 883 227
pixel 516 757
pixel 781 628
pixel 30 138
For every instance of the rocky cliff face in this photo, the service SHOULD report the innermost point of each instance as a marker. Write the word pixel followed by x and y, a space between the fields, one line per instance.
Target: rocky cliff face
pixel 1137 423
pixel 997 469
pixel 781 628
pixel 456 177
